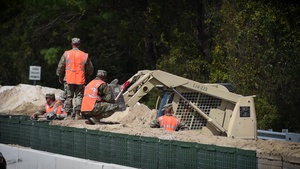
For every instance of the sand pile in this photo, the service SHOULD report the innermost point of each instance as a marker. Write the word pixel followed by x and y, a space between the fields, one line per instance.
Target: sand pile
pixel 25 99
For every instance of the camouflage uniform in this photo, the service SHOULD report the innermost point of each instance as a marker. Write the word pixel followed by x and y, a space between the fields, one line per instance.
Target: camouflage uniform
pixel 72 90
pixel 42 110
pixel 62 98
pixel 107 108
pixel 168 110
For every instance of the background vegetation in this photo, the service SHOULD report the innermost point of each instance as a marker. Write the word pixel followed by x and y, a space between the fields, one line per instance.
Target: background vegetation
pixel 253 45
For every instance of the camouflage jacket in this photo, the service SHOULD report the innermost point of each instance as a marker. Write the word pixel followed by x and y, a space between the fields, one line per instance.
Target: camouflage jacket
pixel 105 93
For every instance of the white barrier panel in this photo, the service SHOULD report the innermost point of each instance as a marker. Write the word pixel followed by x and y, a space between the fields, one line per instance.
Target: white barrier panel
pixel 26 158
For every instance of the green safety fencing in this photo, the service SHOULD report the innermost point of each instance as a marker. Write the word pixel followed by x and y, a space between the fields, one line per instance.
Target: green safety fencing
pixel 122 149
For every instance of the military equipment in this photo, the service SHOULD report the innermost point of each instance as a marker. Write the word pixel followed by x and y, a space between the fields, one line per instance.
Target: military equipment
pixel 210 108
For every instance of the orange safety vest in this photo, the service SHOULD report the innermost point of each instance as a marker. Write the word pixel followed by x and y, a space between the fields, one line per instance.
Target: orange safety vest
pixel 58 105
pixel 75 66
pixel 91 95
pixel 168 122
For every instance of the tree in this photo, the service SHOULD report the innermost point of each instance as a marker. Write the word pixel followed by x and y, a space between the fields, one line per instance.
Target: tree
pixel 253 51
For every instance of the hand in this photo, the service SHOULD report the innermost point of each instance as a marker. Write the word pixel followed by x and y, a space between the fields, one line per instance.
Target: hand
pixel 61 79
pixel 33 117
pixel 184 128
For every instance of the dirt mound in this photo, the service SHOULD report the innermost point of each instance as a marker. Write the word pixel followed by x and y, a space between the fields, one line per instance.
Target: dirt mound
pixel 26 108
pixel 137 115
pixel 25 99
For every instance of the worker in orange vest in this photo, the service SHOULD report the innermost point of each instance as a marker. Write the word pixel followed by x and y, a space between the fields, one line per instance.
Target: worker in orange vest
pixel 98 101
pixel 168 121
pixel 52 110
pixel 75 66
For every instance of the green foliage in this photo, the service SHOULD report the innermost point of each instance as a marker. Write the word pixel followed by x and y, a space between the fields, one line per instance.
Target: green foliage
pixel 184 59
pixel 252 44
pixel 151 99
pixel 267 114
pixel 254 48
pixel 50 55
pixel 219 66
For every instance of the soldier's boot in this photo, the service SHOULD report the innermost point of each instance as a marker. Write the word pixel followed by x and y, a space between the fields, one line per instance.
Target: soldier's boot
pixel 94 120
pixel 98 117
pixel 69 117
pixel 77 115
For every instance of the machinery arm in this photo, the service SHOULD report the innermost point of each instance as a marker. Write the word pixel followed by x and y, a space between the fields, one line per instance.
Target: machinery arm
pixel 144 81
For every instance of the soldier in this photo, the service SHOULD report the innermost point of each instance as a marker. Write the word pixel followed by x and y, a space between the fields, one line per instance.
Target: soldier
pixel 168 121
pixel 62 98
pixel 52 110
pixel 98 101
pixel 74 65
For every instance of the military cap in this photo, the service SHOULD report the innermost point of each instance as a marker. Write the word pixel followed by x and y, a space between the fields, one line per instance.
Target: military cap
pixel 102 73
pixel 75 41
pixel 167 106
pixel 50 95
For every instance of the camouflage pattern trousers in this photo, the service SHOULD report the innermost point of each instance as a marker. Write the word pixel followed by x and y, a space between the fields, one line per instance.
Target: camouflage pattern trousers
pixel 74 97
pixel 103 108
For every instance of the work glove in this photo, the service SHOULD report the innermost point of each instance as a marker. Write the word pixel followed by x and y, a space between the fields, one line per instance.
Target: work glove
pixel 51 116
pixel 125 85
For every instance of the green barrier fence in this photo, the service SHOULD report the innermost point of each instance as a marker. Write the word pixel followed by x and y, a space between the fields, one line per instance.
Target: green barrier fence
pixel 244 159
pixel 92 145
pixel 34 136
pixel 104 147
pixel 186 156
pixel 133 147
pixel 206 155
pixel 14 128
pixel 55 139
pixel 79 142
pixel 25 128
pixel 67 141
pixel 127 150
pixel 149 152
pixel 118 149
pixel 5 130
pixel 43 132
pixel 166 154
